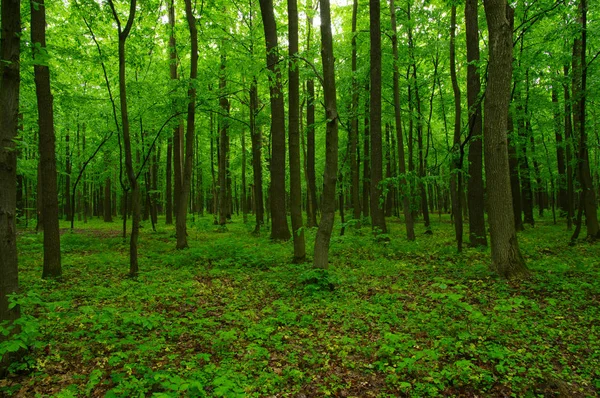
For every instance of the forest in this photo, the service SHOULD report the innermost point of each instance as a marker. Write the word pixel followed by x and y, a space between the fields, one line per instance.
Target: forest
pixel 350 198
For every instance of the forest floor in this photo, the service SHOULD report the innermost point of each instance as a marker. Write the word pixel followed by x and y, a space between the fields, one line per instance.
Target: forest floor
pixel 232 316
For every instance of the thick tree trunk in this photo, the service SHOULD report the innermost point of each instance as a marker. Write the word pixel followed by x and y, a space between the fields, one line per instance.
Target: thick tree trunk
pixel 177 141
pixel 321 259
pixel 377 214
pixel 506 256
pixel 182 206
pixel 404 188
pixel 279 224
pixel 9 122
pixel 475 187
pixel 294 135
pixel 456 173
pixel 52 261
pixel 584 175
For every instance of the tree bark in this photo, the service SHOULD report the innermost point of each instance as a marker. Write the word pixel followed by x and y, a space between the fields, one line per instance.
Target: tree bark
pixel 177 140
pixel 353 137
pixel 52 260
pixel 456 173
pixel 182 206
pixel 515 184
pixel 506 255
pixel 579 105
pixel 279 224
pixel 256 137
pixel 223 138
pixel 9 121
pixel 135 189
pixel 560 154
pixel 377 212
pixel 294 135
pixel 321 259
pixel 475 186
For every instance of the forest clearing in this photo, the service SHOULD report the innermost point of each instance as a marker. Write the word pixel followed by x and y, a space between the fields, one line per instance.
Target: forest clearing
pixel 232 316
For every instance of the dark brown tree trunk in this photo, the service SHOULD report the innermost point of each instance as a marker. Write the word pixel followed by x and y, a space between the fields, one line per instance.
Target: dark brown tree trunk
pixel 182 205
pixel 354 172
pixel 560 154
pixel 506 255
pixel 366 157
pixel 279 224
pixel 223 138
pixel 569 152
pixel 456 173
pixel 256 136
pixel 177 142
pixel 475 187
pixel 588 194
pixel 377 214
pixel 67 208
pixel 135 189
pixel 321 259
pixel 404 188
pixel 9 122
pixel 294 135
pixel 52 261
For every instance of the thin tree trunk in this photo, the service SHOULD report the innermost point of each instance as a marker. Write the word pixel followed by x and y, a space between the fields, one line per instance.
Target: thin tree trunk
pixel 177 141
pixel 515 184
pixel 354 172
pixel 182 205
pixel 377 214
pixel 560 154
pixel 366 158
pixel 52 260
pixel 294 135
pixel 456 173
pixel 223 138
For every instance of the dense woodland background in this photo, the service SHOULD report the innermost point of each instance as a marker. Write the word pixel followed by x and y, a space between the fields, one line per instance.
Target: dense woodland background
pixel 226 129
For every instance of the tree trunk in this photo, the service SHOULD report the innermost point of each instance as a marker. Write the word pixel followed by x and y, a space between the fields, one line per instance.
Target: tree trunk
pixel 107 201
pixel 177 131
pixel 579 104
pixel 569 152
pixel 560 154
pixel 515 184
pixel 321 259
pixel 456 173
pixel 377 214
pixel 404 188
pixel 353 137
pixel 182 206
pixel 506 255
pixel 135 194
pixel 294 135
pixel 279 224
pixel 67 208
pixel 256 136
pixel 9 122
pixel 52 261
pixel 366 157
pixel 475 187
pixel 223 138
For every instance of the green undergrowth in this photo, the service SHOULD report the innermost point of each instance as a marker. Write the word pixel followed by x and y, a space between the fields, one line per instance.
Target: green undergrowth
pixel 232 316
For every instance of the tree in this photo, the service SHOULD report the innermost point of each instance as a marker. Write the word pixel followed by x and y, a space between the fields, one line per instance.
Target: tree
pixel 135 189
pixel 377 214
pixel 52 263
pixel 279 225
pixel 506 255
pixel 456 176
pixel 323 237
pixel 408 218
pixel 294 135
pixel 475 187
pixel 10 77
pixel 182 206
pixel 353 134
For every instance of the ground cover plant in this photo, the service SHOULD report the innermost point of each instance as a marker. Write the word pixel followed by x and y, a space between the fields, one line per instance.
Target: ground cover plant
pixel 232 316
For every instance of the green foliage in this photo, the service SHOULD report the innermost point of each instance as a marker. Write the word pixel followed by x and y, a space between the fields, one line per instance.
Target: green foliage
pixel 231 317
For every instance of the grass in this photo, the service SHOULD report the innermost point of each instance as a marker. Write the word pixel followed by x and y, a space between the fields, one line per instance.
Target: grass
pixel 232 317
